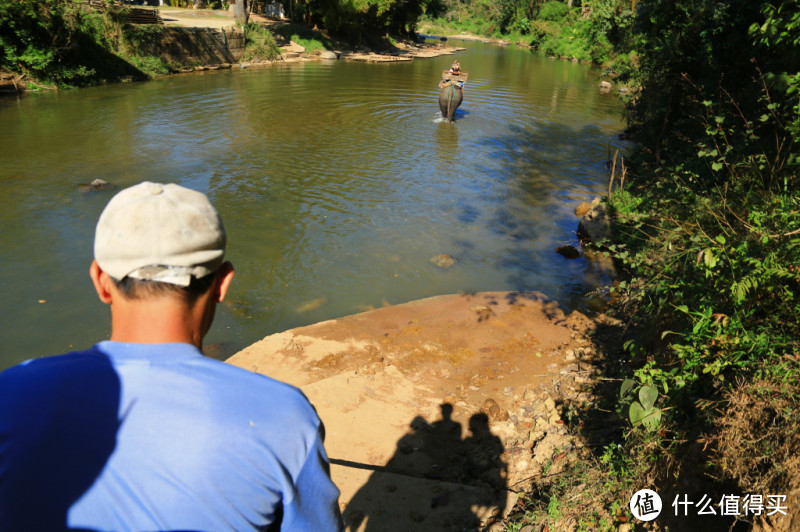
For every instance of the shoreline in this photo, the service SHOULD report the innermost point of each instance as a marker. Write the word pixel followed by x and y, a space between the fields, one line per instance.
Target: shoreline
pixel 503 366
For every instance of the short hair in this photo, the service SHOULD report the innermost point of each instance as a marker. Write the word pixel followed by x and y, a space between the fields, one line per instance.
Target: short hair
pixel 138 289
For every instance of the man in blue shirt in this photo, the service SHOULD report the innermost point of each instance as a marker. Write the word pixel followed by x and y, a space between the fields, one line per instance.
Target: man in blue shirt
pixel 142 432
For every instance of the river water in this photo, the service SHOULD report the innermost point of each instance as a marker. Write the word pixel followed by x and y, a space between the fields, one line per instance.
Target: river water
pixel 337 183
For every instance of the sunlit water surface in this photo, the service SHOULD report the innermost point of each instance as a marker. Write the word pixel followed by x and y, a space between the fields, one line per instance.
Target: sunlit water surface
pixel 337 183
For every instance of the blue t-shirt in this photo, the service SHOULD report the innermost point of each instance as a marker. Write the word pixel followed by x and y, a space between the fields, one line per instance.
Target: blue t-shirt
pixel 158 437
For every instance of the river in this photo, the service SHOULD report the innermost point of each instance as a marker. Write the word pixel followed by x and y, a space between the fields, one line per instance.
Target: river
pixel 337 183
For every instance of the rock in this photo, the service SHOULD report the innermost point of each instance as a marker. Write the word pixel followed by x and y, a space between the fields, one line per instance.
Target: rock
pixel 582 208
pixel 327 54
pixel 493 411
pixel 605 87
pixel 570 355
pixel 97 184
pixel 594 225
pixel 549 404
pixel 569 252
pixel 443 260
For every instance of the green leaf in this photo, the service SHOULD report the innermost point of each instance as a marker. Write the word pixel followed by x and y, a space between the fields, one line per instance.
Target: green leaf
pixel 636 413
pixel 652 420
pixel 648 396
pixel 716 166
pixel 627 386
pixel 708 258
pixel 720 239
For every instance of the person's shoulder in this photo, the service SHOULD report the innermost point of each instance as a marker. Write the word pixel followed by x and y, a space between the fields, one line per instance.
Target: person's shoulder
pixel 54 375
pixel 260 388
pixel 77 360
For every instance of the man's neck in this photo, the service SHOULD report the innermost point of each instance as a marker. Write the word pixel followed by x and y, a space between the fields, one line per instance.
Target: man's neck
pixel 155 321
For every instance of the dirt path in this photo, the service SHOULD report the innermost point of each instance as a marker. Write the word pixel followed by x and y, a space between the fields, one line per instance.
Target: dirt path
pixel 436 411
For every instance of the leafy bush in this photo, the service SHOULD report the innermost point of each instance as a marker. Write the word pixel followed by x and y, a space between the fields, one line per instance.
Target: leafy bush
pixel 553 11
pixel 259 43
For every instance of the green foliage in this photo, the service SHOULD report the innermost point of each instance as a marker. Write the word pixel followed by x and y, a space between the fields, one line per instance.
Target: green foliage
pixel 40 38
pixel 553 11
pixel 64 43
pixel 601 33
pixel 259 43
pixel 642 411
pixel 311 40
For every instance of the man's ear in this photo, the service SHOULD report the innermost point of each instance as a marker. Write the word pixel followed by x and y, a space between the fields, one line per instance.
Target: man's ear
pixel 224 279
pixel 102 282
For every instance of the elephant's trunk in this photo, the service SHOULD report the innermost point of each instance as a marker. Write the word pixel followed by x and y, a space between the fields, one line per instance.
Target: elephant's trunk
pixel 451 95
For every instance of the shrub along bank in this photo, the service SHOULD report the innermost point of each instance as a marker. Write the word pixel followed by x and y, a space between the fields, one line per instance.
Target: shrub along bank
pixel 707 387
pixel 65 43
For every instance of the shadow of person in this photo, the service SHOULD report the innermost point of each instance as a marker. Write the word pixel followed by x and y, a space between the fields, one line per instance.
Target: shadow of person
pixel 485 466
pixel 57 431
pixel 434 481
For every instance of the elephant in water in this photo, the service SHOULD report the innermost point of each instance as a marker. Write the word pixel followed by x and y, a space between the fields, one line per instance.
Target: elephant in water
pixel 450 97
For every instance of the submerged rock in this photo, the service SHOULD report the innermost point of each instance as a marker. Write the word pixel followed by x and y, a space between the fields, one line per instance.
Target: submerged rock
pixel 97 184
pixel 443 260
pixel 569 252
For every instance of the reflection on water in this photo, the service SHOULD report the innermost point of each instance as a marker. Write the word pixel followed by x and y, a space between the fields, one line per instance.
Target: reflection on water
pixel 337 183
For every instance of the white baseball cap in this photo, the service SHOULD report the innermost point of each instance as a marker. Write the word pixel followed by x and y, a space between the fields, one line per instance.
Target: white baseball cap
pixel 157 232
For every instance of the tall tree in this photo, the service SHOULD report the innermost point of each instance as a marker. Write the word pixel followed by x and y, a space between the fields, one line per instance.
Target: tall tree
pixel 240 11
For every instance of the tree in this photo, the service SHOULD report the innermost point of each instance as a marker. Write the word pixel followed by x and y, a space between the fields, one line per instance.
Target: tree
pixel 240 11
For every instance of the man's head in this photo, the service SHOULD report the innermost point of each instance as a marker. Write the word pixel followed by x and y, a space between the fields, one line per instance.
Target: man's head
pixel 160 243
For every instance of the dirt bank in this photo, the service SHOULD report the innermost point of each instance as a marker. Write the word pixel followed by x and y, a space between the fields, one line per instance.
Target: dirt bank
pixel 438 412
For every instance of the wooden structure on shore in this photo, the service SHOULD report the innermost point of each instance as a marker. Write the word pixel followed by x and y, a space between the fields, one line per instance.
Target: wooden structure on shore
pixel 131 15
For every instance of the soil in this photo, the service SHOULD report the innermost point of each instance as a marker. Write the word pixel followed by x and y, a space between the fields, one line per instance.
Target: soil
pixel 439 412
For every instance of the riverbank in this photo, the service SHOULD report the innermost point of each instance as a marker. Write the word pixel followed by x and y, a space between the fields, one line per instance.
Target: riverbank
pixel 191 40
pixel 442 413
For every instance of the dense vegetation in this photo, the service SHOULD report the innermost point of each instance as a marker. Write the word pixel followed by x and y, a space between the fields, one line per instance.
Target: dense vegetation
pixel 707 388
pixel 65 43
pixel 710 233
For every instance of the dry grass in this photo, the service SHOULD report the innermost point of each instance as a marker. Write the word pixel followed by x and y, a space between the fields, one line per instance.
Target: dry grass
pixel 758 445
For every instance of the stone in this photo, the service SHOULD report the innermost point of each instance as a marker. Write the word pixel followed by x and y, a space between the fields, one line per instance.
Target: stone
pixel 569 252
pixel 443 260
pixel 327 54
pixel 549 404
pixel 493 411
pixel 582 208
pixel 594 226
